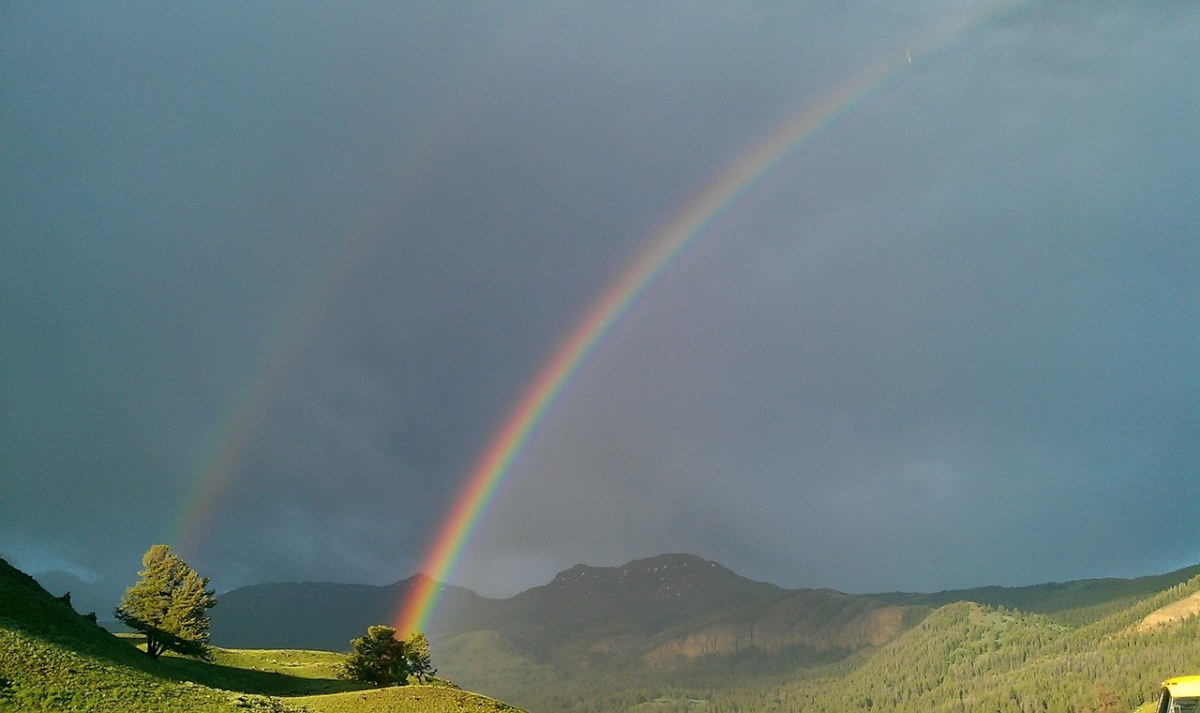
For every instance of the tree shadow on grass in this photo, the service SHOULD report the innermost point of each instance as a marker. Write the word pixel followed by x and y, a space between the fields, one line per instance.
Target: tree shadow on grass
pixel 245 680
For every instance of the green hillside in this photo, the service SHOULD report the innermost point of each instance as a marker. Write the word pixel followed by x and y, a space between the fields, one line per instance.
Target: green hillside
pixel 51 658
pixel 966 656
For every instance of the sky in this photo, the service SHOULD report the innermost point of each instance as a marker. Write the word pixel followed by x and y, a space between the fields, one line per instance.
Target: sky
pixel 272 276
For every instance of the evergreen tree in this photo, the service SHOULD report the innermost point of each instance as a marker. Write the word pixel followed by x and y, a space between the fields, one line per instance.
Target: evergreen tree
pixel 378 658
pixel 169 604
pixel 419 662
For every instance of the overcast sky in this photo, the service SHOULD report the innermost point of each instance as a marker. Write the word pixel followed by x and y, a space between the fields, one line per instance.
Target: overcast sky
pixel 952 340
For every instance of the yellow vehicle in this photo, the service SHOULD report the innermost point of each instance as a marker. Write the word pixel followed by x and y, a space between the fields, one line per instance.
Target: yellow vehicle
pixel 1180 695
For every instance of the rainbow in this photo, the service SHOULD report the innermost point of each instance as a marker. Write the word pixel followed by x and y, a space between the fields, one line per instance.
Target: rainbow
pixel 661 251
pixel 290 336
pixel 283 349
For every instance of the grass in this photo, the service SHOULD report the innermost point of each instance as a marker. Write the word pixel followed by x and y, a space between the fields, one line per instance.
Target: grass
pixel 36 675
pixel 42 675
pixel 267 672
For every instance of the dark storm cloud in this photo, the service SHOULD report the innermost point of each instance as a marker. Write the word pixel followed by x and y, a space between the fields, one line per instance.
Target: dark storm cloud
pixel 958 339
pixel 951 342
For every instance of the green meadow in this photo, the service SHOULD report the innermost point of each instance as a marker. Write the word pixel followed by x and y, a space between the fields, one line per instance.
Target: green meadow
pixel 54 659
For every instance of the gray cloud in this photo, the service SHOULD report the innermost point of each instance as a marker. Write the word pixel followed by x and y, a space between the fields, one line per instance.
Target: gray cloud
pixel 952 341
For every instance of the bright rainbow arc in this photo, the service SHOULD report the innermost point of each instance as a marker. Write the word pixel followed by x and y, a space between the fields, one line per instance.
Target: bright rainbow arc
pixel 664 247
pixel 662 250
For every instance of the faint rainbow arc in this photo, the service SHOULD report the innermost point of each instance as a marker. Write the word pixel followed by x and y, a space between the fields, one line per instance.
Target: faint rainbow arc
pixel 283 349
pixel 293 330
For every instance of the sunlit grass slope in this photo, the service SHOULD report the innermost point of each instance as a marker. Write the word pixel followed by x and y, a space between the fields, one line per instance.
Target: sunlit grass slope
pixel 54 659
pixel 51 658
pixel 269 672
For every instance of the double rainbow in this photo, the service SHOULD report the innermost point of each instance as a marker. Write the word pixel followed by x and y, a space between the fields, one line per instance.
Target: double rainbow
pixel 218 471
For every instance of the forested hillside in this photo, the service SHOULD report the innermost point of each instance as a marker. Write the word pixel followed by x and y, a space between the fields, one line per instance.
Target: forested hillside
pixel 1077 602
pixel 963 656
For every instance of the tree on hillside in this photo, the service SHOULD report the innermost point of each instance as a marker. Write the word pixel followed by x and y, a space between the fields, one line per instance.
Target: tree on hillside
pixel 378 658
pixel 419 662
pixel 169 604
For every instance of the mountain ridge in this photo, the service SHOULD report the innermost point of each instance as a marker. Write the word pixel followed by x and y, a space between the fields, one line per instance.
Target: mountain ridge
pixel 669 607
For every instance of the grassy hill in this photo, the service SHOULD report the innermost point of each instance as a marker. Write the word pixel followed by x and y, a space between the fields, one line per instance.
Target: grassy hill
pixel 51 658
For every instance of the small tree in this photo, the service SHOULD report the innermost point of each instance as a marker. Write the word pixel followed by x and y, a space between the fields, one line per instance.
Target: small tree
pixel 378 658
pixel 168 605
pixel 419 662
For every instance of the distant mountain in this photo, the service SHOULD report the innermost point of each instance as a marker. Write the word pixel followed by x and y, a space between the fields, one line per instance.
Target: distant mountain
pixel 655 614
pixel 323 615
pixel 667 610
pixel 614 608
pixel 583 603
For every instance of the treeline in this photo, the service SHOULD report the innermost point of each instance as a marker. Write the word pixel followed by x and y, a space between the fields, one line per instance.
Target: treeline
pixel 962 657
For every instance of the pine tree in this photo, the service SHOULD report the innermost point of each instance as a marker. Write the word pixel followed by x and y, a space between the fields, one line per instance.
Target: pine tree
pixel 419 662
pixel 168 605
pixel 378 658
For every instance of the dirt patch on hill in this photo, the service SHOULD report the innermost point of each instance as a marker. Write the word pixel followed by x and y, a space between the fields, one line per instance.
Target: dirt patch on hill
pixel 1176 611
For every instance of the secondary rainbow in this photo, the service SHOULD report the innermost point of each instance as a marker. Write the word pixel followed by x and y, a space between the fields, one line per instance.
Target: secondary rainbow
pixel 290 336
